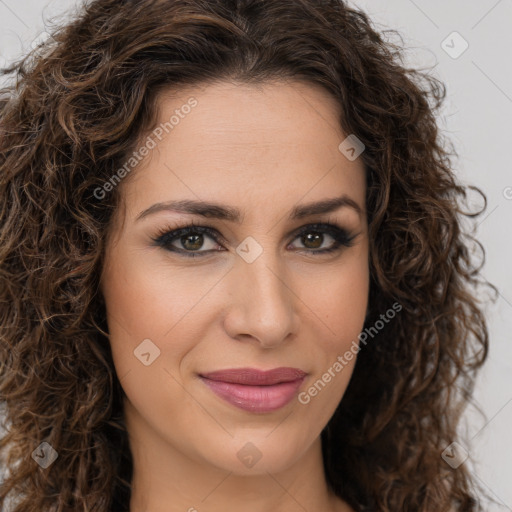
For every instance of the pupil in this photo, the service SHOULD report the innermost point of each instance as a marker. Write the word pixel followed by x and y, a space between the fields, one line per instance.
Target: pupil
pixel 195 245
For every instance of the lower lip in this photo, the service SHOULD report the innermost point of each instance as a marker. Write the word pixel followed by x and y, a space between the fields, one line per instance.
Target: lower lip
pixel 255 398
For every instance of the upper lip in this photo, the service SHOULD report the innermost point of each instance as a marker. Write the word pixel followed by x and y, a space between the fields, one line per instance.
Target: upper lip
pixel 255 377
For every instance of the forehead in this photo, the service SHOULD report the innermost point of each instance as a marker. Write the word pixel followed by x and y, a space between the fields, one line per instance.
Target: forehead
pixel 279 116
pixel 248 145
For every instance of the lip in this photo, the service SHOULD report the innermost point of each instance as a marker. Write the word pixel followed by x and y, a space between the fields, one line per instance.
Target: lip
pixel 255 390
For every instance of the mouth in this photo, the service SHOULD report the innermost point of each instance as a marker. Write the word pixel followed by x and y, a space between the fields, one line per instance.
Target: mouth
pixel 255 390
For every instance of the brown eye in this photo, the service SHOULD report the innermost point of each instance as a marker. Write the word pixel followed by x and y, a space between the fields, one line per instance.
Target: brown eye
pixel 192 239
pixel 192 242
pixel 313 237
pixel 189 240
pixel 313 240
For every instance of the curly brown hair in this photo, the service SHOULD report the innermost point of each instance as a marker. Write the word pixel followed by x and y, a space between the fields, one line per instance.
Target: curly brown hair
pixel 78 105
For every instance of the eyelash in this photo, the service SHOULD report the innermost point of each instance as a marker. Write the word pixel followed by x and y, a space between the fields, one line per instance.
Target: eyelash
pixel 166 235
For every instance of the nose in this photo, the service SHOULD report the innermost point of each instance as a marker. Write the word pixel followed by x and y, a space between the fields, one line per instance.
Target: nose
pixel 262 303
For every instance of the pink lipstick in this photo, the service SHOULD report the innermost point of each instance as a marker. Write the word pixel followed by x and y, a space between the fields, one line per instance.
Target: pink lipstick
pixel 255 390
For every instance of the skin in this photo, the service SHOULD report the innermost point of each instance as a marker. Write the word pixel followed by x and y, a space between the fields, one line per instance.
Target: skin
pixel 262 149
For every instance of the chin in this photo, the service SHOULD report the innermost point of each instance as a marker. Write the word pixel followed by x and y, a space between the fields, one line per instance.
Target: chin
pixel 254 454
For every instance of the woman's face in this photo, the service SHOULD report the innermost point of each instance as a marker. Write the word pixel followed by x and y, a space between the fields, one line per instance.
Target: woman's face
pixel 254 291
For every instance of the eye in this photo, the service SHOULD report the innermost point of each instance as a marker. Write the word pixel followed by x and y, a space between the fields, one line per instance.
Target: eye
pixel 189 240
pixel 313 236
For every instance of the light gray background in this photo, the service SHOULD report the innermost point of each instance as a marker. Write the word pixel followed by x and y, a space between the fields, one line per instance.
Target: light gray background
pixel 476 117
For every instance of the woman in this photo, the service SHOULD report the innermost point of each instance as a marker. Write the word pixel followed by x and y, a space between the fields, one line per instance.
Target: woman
pixel 233 269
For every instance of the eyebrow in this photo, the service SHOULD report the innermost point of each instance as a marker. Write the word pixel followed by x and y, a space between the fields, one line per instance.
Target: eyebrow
pixel 224 212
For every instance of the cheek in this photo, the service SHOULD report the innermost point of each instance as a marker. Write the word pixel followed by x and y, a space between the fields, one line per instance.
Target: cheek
pixel 349 308
pixel 147 312
pixel 150 301
pixel 339 299
pixel 340 312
